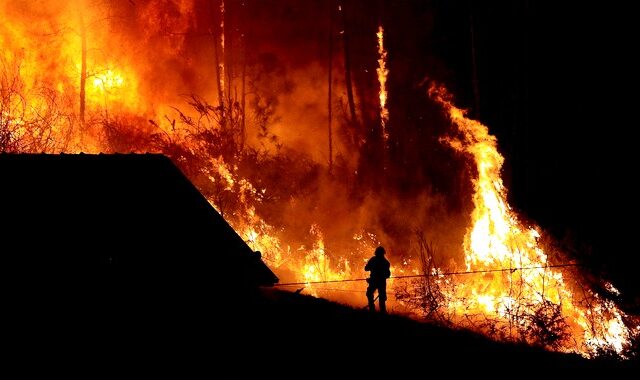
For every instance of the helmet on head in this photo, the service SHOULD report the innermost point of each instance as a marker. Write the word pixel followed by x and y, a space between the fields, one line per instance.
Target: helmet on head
pixel 380 251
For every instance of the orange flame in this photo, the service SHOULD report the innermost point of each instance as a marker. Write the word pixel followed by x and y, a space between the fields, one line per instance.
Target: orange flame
pixel 40 66
pixel 382 79
pixel 498 240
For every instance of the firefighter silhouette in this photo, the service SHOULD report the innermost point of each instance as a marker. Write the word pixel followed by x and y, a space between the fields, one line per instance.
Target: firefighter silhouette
pixel 379 267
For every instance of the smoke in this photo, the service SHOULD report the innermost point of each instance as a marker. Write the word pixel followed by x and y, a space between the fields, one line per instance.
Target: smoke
pixel 146 58
pixel 248 121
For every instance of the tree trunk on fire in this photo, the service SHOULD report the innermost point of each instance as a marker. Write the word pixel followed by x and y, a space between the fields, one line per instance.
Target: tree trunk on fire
pixel 241 17
pixel 228 43
pixel 219 78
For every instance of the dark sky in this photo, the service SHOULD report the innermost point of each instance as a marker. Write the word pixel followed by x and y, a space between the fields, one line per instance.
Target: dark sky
pixel 558 86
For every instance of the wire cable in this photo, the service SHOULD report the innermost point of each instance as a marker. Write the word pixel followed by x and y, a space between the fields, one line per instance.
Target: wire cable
pixel 433 274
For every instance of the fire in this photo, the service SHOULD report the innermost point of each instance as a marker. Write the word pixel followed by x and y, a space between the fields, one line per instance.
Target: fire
pixel 302 264
pixel 497 240
pixel 382 79
pixel 141 58
pixel 111 88
pixel 107 81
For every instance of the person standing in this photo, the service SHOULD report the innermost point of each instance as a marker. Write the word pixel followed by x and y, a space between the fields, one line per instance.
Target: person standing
pixel 380 270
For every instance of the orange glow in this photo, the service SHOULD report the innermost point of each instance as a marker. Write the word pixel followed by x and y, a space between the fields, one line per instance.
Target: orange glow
pixel 108 81
pixel 113 88
pixel 498 240
pixel 154 84
pixel 221 59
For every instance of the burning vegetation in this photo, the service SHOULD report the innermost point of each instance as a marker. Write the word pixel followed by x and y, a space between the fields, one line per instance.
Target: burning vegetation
pixel 238 100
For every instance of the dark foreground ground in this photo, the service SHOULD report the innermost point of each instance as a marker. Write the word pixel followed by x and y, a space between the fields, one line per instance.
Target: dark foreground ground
pixel 304 329
pixel 190 332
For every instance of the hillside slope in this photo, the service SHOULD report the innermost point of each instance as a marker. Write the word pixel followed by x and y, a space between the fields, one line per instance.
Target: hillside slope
pixel 329 338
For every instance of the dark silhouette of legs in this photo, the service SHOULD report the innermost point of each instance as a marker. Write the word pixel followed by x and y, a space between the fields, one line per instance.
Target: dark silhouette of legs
pixel 370 290
pixel 382 296
pixel 381 287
